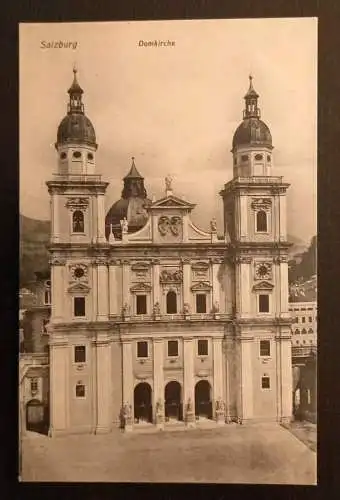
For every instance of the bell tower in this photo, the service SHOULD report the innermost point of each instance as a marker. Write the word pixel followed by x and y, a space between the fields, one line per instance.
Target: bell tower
pixel 255 227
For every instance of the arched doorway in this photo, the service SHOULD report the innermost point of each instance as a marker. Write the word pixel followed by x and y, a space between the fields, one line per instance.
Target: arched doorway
pixel 35 416
pixel 173 401
pixel 203 403
pixel 142 402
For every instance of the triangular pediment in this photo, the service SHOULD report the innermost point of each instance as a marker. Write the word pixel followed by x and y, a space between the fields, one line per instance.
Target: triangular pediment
pixel 172 202
pixel 140 287
pixel 202 285
pixel 264 285
pixel 78 287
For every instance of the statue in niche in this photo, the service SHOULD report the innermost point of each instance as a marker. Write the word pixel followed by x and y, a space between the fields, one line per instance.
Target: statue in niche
pixel 159 407
pixel 124 225
pixel 213 225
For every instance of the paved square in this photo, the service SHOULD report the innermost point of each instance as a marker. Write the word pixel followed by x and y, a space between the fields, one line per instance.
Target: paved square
pixel 256 453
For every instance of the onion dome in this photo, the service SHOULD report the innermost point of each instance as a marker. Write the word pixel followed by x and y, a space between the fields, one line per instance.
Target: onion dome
pixel 132 205
pixel 75 127
pixel 252 131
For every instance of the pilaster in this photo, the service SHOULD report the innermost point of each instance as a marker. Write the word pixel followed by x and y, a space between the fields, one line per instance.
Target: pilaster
pixel 55 229
pixel 283 216
pixel 189 381
pixel 218 371
pixel 156 293
pixel 215 282
pixel 113 306
pixel 126 282
pixel 243 217
pixel 58 295
pixel 246 377
pixel 103 291
pixel 101 218
pixel 127 374
pixel 158 374
pixel 104 403
pixel 286 378
pixel 186 282
pixel 59 386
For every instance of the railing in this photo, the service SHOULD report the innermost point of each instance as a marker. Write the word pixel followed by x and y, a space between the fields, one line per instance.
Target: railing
pixel 78 177
pixel 261 179
pixel 303 352
pixel 173 317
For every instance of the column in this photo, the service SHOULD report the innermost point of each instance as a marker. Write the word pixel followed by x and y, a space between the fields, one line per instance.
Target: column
pixel 103 290
pixel 215 283
pixel 113 306
pixel 58 293
pixel 244 289
pixel 126 283
pixel 243 217
pixel 283 216
pixel 94 291
pixel 127 373
pixel 286 377
pixel 218 390
pixel 189 380
pixel 246 378
pixel 58 387
pixel 158 374
pixel 104 405
pixel 55 218
pixel 186 282
pixel 101 218
pixel 156 292
pixel 284 286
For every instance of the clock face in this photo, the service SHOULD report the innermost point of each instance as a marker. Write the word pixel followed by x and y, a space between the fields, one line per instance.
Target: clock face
pixel 79 272
pixel 263 271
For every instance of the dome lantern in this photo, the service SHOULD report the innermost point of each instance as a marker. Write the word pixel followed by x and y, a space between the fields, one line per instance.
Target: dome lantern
pixel 75 92
pixel 252 110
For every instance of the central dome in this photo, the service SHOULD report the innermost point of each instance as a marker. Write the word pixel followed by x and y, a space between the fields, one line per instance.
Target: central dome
pixel 252 131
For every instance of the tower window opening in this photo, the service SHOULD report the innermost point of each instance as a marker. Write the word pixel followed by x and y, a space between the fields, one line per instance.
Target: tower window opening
pixel 78 221
pixel 63 155
pixel 171 302
pixel 89 156
pixel 263 303
pixel 261 221
pixel 258 157
pixel 201 303
pixel 77 154
pixel 244 158
pixel 141 304
pixel 79 306
pixel 268 159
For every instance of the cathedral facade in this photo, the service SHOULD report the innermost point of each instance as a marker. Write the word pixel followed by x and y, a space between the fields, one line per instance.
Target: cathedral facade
pixel 155 321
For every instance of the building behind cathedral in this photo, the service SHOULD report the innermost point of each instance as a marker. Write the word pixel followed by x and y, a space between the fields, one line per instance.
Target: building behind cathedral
pixel 153 320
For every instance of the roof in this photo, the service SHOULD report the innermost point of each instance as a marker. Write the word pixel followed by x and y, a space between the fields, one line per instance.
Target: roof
pixel 133 172
pixel 252 131
pixel 76 127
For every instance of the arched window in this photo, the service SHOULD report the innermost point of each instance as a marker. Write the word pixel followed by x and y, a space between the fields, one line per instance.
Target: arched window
pixel 78 222
pixel 297 332
pixel 261 221
pixel 310 330
pixel 304 331
pixel 171 302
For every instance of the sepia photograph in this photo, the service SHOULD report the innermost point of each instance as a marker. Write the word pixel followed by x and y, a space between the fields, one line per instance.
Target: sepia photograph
pixel 168 242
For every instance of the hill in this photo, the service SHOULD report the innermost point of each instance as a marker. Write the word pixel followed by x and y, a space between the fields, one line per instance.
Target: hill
pixel 34 256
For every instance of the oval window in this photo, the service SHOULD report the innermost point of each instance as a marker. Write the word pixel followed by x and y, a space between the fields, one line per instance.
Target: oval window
pixel 77 154
pixel 89 156
pixel 244 157
pixel 63 155
pixel 258 157
pixel 268 159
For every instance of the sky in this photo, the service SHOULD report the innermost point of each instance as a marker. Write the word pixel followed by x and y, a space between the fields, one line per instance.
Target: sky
pixel 174 108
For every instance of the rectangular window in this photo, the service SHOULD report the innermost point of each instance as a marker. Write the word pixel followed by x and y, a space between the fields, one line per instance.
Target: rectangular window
pixel 80 390
pixel 142 349
pixel 310 319
pixel 201 303
pixel 80 354
pixel 296 319
pixel 202 347
pixel 141 304
pixel 303 319
pixel 172 348
pixel 263 303
pixel 264 347
pixel 47 298
pixel 79 306
pixel 265 383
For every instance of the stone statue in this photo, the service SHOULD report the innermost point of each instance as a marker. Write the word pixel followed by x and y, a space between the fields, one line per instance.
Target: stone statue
pixel 189 406
pixel 156 309
pixel 213 225
pixel 124 225
pixel 216 307
pixel 168 182
pixel 126 309
pixel 186 308
pixel 159 407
